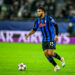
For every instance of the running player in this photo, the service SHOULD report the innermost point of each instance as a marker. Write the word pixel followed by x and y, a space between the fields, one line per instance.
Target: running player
pixel 49 30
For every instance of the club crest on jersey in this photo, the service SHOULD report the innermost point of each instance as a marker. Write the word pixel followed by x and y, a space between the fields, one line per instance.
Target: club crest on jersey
pixel 42 25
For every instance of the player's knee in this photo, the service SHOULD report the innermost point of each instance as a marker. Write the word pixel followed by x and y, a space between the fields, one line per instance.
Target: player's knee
pixel 50 52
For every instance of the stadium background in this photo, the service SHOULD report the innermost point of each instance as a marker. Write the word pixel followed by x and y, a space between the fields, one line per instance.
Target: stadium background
pixel 17 19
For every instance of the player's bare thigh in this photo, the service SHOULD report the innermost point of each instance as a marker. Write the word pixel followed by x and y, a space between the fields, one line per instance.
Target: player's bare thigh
pixel 51 52
pixel 46 53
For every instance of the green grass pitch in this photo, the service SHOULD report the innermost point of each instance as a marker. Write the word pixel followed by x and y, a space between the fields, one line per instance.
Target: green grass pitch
pixel 11 54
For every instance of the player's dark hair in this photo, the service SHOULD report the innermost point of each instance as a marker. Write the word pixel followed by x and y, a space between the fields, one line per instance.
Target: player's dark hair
pixel 41 8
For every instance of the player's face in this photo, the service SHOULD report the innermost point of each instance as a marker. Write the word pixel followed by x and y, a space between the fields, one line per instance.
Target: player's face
pixel 39 12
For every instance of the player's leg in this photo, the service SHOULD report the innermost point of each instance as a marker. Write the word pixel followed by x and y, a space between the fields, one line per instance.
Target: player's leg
pixel 54 54
pixel 49 57
pixel 60 58
pixel 51 53
pixel 57 56
pixel 46 46
pixel 46 53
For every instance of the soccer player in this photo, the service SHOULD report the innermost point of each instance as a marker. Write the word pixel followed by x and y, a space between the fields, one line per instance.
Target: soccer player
pixel 49 31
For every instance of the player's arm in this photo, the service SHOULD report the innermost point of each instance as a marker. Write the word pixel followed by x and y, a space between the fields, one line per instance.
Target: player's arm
pixel 57 31
pixel 33 30
pixel 56 27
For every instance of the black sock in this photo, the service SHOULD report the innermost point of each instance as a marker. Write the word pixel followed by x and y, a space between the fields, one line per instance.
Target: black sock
pixel 57 56
pixel 52 61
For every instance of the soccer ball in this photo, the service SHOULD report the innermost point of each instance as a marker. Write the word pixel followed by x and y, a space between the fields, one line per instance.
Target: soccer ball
pixel 21 67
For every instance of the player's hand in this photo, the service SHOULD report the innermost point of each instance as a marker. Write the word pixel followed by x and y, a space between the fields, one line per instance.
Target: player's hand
pixel 56 37
pixel 26 37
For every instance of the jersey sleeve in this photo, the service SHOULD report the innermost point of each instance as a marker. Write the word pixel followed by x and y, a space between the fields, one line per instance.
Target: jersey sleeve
pixel 54 24
pixel 35 25
pixel 52 20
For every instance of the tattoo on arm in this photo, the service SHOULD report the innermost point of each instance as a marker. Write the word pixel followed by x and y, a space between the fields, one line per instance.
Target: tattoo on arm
pixel 32 32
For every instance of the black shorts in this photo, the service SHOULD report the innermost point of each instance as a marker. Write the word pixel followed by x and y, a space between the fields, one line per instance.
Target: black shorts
pixel 49 45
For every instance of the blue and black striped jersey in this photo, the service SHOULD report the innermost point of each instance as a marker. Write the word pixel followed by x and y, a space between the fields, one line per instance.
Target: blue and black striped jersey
pixel 46 26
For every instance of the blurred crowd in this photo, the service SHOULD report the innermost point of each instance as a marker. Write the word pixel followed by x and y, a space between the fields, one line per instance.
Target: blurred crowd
pixel 25 9
pixel 68 11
